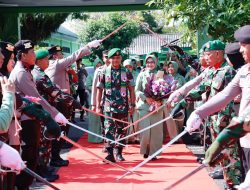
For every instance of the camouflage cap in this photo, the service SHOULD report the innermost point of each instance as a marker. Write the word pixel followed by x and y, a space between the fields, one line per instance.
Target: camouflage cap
pixel 214 45
pixel 41 53
pixel 114 52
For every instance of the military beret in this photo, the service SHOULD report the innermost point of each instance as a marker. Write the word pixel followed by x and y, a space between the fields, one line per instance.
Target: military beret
pixel 155 53
pixel 232 48
pixel 6 46
pixel 114 52
pixel 243 34
pixel 54 49
pixel 214 45
pixel 23 45
pixel 127 62
pixel 41 53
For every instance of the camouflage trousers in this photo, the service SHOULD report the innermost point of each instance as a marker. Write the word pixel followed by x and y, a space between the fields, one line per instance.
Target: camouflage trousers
pixel 232 170
pixel 44 152
pixel 114 129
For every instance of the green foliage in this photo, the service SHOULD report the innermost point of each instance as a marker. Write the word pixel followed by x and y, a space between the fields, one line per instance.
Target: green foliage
pixel 99 28
pixel 39 26
pixel 220 18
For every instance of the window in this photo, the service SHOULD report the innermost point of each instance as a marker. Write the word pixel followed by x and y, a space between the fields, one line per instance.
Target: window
pixel 66 49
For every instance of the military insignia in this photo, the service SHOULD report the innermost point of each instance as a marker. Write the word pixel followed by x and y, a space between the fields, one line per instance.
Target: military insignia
pixel 27 45
pixel 58 48
pixel 10 47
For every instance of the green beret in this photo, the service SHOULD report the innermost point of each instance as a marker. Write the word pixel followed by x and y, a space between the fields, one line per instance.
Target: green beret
pixel 155 53
pixel 41 53
pixel 114 52
pixel 214 45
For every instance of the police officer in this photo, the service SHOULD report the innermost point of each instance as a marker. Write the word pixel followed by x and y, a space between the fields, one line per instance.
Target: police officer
pixel 30 134
pixel 115 84
pixel 57 69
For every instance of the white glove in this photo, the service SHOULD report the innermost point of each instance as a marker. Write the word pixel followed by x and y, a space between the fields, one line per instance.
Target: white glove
pixel 95 43
pixel 246 184
pixel 173 98
pixel 59 118
pixel 193 122
pixel 10 158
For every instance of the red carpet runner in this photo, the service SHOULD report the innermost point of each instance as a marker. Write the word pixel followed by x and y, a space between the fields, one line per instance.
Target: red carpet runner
pixel 86 172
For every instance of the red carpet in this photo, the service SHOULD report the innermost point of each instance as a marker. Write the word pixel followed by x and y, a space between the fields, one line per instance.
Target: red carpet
pixel 86 172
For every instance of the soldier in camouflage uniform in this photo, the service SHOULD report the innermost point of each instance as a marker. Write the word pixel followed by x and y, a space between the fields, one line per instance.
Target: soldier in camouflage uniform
pixel 213 80
pixel 117 83
pixel 239 126
pixel 56 97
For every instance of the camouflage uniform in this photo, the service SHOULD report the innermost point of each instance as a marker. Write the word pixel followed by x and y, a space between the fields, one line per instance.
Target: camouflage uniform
pixel 61 100
pixel 215 81
pixel 115 83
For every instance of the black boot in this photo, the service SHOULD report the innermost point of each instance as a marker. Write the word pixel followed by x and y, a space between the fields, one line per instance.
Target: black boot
pixel 119 157
pixel 110 156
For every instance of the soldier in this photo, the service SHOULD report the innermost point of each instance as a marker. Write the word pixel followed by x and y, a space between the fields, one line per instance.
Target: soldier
pixel 55 96
pixel 211 81
pixel 117 83
pixel 22 78
pixel 240 84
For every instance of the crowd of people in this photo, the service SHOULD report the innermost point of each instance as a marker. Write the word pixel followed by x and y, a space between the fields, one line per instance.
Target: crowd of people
pixel 40 98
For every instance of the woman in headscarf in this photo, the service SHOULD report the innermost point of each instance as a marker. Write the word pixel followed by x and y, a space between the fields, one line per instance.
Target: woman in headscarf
pixel 175 125
pixel 150 140
pixel 94 120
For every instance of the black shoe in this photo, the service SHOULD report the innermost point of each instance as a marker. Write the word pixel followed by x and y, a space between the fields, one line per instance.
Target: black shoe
pixel 110 158
pixel 145 156
pixel 119 158
pixel 59 162
pixel 81 119
pixel 217 174
pixel 137 142
pixel 154 158
pixel 51 177
pixel 200 159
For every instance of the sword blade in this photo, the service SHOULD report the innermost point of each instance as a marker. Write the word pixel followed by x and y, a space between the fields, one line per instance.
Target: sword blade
pixel 142 130
pixel 155 154
pixel 38 177
pixel 87 131
pixel 186 177
pixel 88 151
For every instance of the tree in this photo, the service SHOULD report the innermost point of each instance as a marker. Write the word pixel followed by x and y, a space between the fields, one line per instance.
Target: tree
pixel 220 18
pixel 39 26
pixel 99 28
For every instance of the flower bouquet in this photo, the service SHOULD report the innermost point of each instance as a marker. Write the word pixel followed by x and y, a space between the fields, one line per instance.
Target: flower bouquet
pixel 159 89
